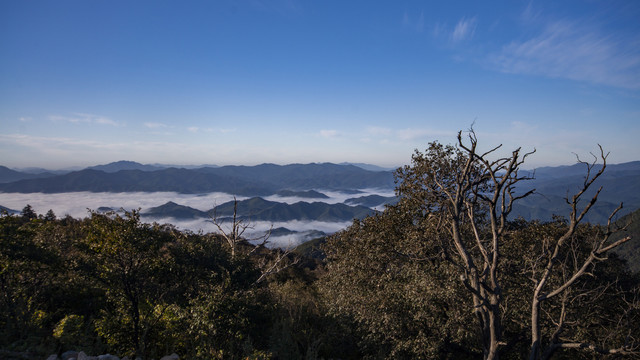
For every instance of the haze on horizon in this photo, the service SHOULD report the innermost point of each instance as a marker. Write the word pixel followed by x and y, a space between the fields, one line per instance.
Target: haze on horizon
pixel 84 83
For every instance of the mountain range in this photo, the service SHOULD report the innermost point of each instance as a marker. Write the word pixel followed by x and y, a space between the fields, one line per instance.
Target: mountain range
pixel 620 183
pixel 260 180
pixel 258 209
pixel 9 175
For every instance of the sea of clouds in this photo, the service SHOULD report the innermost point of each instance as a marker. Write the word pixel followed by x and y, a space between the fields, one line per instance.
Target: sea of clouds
pixel 78 204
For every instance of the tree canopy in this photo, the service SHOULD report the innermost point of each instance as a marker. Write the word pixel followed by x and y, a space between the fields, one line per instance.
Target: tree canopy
pixel 449 241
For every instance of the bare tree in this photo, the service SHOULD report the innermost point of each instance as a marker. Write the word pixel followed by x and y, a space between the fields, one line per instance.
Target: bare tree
pixel 472 195
pixel 280 260
pixel 234 234
pixel 483 186
pixel 543 291
pixel 271 262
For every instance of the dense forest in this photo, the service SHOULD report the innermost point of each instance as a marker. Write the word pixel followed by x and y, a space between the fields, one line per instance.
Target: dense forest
pixel 444 273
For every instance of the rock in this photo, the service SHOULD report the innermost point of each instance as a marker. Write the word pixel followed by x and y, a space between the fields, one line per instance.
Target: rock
pixel 53 357
pixel 83 356
pixel 173 356
pixel 108 357
pixel 68 355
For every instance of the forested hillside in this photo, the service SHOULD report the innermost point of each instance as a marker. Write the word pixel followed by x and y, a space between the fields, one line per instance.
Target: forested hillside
pixel 257 209
pixel 111 284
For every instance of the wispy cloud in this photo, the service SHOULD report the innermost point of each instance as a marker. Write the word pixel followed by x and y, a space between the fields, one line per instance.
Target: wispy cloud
pixel 420 23
pixel 154 125
pixel 378 131
pixel 406 22
pixel 438 29
pixel 530 14
pixel 105 121
pixel 35 150
pixel 383 135
pixel 417 25
pixel 576 51
pixel 198 129
pixel 81 118
pixel 377 134
pixel 52 144
pixel 285 8
pixel 522 127
pixel 413 134
pixel 25 119
pixel 464 29
pixel 328 134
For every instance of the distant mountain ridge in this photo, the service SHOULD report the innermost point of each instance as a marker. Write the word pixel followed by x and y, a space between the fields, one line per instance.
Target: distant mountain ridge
pixel 548 172
pixel 8 175
pixel 369 167
pixel 259 180
pixel 8 210
pixel 176 211
pixel 125 165
pixel 259 209
pixel 310 194
pixel 620 183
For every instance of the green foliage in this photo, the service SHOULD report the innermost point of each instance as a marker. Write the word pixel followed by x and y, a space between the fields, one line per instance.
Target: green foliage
pixel 128 259
pixel 388 276
pixel 25 268
pixel 312 248
pixel 110 283
pixel 74 332
pixel 385 274
pixel 397 279
pixel 302 330
pixel 222 324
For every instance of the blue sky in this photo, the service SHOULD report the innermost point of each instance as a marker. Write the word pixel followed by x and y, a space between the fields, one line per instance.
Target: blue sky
pixel 283 81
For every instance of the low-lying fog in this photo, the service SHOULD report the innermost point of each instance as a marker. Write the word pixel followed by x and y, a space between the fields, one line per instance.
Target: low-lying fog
pixel 77 204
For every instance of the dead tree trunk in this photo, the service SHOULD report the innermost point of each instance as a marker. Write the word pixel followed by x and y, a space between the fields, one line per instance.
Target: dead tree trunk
pixel 269 264
pixel 234 235
pixel 482 186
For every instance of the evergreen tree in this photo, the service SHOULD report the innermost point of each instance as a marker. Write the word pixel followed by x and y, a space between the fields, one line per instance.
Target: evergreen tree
pixel 50 216
pixel 28 213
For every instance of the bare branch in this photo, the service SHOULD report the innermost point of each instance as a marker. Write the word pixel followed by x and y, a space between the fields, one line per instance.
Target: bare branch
pixel 280 263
